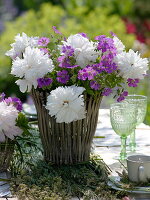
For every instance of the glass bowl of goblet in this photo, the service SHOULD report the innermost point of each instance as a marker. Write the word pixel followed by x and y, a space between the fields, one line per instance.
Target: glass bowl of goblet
pixel 141 104
pixel 123 121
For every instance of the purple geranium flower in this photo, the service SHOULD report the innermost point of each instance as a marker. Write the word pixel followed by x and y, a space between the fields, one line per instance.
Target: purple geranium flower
pixel 106 44
pixel 15 101
pixel 100 37
pixel 43 41
pixel 56 30
pixel 68 50
pixel 87 73
pixel 2 96
pixel 107 63
pixel 83 34
pixel 62 76
pixel 107 92
pixel 113 34
pixel 94 85
pixel 64 62
pixel 122 96
pixel 133 82
pixel 98 67
pixel 45 50
pixel 44 82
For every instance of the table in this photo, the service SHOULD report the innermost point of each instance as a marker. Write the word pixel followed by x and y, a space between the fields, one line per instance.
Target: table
pixel 109 147
pixel 8 198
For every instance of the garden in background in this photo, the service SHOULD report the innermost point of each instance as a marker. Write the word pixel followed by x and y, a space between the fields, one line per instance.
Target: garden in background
pixel 128 19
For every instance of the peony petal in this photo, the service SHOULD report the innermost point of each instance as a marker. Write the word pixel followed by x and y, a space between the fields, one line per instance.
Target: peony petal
pixel 9 135
pixel 66 104
pixel 22 84
pixel 16 131
pixel 2 137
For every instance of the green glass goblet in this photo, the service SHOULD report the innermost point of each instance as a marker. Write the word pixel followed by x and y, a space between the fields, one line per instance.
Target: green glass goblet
pixel 141 104
pixel 123 121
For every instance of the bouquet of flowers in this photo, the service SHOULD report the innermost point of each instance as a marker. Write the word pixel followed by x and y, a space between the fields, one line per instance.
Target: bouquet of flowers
pixel 73 66
pixel 68 78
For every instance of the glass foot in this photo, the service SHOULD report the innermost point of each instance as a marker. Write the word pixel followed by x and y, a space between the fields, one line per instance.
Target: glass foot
pixel 139 150
pixel 132 147
pixel 123 156
pixel 120 158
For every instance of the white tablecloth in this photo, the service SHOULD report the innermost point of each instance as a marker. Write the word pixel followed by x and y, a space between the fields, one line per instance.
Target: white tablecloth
pixel 109 147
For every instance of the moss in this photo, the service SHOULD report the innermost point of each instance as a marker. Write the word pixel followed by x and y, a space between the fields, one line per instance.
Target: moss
pixel 44 181
pixel 34 179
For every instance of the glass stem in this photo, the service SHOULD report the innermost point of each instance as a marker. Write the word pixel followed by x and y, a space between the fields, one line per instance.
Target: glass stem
pixel 132 143
pixel 123 153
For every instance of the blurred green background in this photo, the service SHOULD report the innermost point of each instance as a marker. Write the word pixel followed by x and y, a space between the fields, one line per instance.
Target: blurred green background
pixel 129 19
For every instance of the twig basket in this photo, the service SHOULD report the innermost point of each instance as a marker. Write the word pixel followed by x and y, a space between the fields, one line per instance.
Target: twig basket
pixel 6 153
pixel 66 143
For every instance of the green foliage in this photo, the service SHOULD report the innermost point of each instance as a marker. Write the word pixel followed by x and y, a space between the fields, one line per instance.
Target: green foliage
pixel 142 9
pixel 96 22
pixel 120 7
pixel 22 122
pixel 27 150
pixel 27 146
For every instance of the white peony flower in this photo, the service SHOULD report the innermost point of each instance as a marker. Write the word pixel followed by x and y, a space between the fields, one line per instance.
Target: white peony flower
pixel 131 65
pixel 8 116
pixel 84 50
pixel 35 64
pixel 66 104
pixel 21 42
pixel 118 44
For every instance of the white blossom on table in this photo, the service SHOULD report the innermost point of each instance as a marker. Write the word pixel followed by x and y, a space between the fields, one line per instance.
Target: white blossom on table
pixel 8 116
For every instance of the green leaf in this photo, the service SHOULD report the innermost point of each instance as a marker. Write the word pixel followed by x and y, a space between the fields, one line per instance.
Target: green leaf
pixel 99 136
pixel 22 122
pixel 91 92
pixel 73 78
